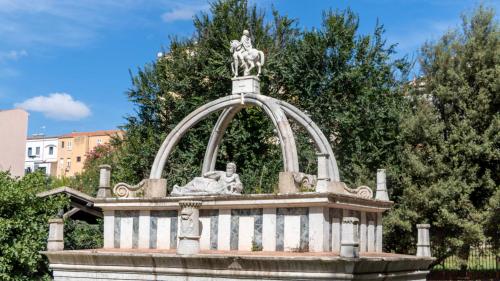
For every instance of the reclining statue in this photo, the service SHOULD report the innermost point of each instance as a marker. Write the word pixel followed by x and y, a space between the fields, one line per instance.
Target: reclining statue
pixel 214 182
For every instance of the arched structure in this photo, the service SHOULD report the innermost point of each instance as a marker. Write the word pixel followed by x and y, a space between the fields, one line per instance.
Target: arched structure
pixel 271 108
pixel 276 110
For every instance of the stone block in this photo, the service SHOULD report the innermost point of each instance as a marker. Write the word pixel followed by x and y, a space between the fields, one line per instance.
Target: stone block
pixel 155 188
pixel 55 242
pixel 349 246
pixel 423 241
pixel 286 183
pixel 246 85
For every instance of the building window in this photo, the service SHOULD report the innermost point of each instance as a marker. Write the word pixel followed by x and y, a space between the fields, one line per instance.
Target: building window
pixel 99 141
pixel 78 159
pixel 69 145
pixel 37 150
pixel 62 144
pixel 51 150
pixel 30 151
pixel 68 163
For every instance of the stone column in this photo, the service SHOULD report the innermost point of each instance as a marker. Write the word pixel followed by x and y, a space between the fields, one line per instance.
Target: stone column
pixel 381 192
pixel 55 242
pixel 349 246
pixel 323 179
pixel 104 181
pixel 189 236
pixel 423 243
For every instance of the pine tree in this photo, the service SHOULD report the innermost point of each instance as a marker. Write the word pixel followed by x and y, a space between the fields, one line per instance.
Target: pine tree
pixel 451 155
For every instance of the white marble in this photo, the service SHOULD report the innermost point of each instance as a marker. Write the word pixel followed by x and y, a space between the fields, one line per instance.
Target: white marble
pixel 378 233
pixel 336 224
pixel 109 232
pixel 349 244
pixel 224 231
pixel 163 233
pixel 269 229
pixel 423 241
pixel 318 229
pixel 205 233
pixel 292 233
pixel 362 234
pixel 371 236
pixel 126 229
pixel 144 229
pixel 245 233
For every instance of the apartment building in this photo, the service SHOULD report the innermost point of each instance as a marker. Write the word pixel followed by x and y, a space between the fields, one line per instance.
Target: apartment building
pixel 41 154
pixel 73 148
pixel 13 131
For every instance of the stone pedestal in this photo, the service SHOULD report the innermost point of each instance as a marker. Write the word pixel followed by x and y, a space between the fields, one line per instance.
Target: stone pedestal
pixel 189 236
pixel 246 85
pixel 423 241
pixel 349 246
pixel 104 181
pixel 55 242
pixel 381 193
pixel 323 179
pixel 155 188
pixel 286 183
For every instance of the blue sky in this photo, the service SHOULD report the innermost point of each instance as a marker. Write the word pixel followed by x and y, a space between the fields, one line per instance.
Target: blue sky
pixel 68 62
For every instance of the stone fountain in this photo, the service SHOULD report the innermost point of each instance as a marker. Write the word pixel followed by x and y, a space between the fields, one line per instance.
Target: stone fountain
pixel 209 230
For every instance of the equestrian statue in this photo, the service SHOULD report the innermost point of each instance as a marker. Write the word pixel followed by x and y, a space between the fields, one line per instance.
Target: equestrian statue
pixel 244 53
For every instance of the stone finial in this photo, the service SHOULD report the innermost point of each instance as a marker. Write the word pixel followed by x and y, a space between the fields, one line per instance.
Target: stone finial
pixel 189 235
pixel 381 192
pixel 104 181
pixel 55 242
pixel 423 241
pixel 349 245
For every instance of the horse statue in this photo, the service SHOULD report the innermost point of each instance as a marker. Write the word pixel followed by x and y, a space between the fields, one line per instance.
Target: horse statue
pixel 249 59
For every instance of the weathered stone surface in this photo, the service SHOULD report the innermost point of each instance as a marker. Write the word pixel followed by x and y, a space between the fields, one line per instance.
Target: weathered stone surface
pixel 55 242
pixel 246 85
pixel 349 245
pixel 189 234
pixel 286 183
pixel 101 265
pixel 423 240
pixel 104 181
pixel 381 192
pixel 214 182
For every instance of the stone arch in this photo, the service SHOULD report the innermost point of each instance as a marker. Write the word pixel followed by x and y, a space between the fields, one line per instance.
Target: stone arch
pixel 270 107
pixel 320 141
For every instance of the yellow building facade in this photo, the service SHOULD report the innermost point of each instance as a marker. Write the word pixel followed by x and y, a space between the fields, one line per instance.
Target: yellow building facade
pixel 73 148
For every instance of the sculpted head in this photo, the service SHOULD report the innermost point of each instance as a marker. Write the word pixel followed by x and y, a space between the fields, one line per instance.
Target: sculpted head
pixel 230 169
pixel 246 33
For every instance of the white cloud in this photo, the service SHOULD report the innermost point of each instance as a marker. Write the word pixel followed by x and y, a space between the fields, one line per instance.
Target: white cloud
pixel 183 12
pixel 12 55
pixel 59 106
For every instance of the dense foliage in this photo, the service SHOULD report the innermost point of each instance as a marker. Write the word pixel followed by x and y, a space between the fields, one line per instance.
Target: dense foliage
pixel 451 152
pixel 346 82
pixel 24 226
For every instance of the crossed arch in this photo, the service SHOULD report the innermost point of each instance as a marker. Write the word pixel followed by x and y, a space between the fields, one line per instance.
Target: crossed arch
pixel 276 110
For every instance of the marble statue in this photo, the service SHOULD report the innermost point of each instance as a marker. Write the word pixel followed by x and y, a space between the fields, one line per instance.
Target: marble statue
pixel 214 182
pixel 244 53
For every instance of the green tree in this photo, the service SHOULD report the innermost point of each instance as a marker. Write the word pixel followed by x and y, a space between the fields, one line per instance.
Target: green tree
pixel 451 157
pixel 346 81
pixel 24 226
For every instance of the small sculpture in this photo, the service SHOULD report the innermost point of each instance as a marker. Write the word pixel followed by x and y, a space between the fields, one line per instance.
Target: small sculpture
pixel 244 52
pixel 214 182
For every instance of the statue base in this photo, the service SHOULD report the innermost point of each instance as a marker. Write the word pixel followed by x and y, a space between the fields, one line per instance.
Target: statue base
pixel 246 85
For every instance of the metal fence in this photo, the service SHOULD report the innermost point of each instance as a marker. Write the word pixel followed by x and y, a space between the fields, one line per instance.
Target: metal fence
pixel 483 263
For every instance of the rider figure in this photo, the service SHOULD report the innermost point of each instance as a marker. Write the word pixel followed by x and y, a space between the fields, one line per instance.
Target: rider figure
pixel 246 42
